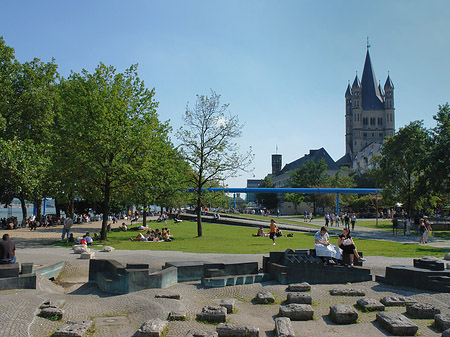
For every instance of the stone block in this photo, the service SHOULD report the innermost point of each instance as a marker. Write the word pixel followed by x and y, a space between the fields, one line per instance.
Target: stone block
pixel 214 314
pixel 52 304
pixel 447 257
pixel 179 315
pixel 396 324
pixel 87 255
pixel 78 249
pixel 9 270
pixel 396 301
pixel 283 327
pixel 27 268
pixel 169 296
pixel 446 333
pixel 297 312
pixel 73 329
pixel 264 297
pixel 347 292
pixel 197 333
pixel 233 330
pixel 228 304
pixel 370 304
pixel 51 313
pixel 299 287
pixel 429 263
pixel 152 328
pixel 299 298
pixel 343 314
pixel 442 321
pixel 421 310
pixel 108 249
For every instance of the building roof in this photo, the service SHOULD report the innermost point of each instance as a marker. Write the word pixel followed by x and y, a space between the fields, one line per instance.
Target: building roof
pixel 371 96
pixel 315 155
pixel 356 82
pixel 389 83
pixel 345 160
pixel 348 92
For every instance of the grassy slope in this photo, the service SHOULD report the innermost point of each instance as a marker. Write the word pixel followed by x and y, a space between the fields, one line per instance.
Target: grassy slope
pixel 224 239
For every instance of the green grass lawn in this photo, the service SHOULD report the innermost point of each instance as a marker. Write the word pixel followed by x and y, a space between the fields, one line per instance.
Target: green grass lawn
pixel 225 239
pixel 382 223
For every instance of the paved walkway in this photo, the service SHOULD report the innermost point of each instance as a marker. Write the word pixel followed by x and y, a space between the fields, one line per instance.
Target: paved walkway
pixel 121 316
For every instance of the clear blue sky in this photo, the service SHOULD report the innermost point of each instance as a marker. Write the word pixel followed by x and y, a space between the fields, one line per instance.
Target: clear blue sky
pixel 282 65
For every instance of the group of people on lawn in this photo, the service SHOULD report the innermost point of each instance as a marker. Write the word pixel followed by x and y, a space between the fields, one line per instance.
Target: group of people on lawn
pixel 154 235
pixel 324 249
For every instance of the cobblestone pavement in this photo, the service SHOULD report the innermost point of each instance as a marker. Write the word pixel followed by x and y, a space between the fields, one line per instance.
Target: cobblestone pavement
pixel 121 315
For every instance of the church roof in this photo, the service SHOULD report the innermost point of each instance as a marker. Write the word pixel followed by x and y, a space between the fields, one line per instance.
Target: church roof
pixel 389 83
pixel 345 160
pixel 356 82
pixel 371 96
pixel 315 155
pixel 348 92
pixel 380 89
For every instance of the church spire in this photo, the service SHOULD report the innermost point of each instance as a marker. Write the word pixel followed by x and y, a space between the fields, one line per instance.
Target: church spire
pixel 371 96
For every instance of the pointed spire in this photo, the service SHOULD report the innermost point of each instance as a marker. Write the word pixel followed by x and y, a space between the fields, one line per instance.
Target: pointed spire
pixel 371 96
pixel 356 82
pixel 380 88
pixel 348 92
pixel 388 83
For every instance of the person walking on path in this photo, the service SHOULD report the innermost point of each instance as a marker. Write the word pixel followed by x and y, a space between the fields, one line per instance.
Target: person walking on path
pixel 428 230
pixel 273 231
pixel 66 227
pixel 353 220
pixel 7 250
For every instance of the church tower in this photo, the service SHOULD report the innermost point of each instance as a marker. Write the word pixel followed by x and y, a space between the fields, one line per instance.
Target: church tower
pixel 369 116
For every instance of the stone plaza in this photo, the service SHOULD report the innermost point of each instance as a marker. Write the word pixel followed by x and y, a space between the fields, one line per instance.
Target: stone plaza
pixel 177 309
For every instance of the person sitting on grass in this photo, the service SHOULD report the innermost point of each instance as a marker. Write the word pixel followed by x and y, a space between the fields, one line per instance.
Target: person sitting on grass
pixel 279 232
pixel 88 239
pixel 345 242
pixel 141 237
pixel 71 238
pixel 260 231
pixel 123 227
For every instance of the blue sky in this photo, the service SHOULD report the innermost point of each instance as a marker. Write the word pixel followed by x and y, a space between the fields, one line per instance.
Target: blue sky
pixel 282 65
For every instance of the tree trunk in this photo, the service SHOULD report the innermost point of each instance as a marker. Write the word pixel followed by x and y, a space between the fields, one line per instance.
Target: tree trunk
pixel 105 209
pixel 57 209
pixel 70 206
pixel 199 214
pixel 144 216
pixel 24 207
pixel 38 203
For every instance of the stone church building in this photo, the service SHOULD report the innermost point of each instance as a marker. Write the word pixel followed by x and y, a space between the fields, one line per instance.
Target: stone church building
pixel 369 117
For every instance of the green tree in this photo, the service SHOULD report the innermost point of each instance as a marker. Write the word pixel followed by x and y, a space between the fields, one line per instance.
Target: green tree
pixel 27 105
pixel 438 168
pixel 400 166
pixel 110 119
pixel 268 200
pixel 207 144
pixel 310 174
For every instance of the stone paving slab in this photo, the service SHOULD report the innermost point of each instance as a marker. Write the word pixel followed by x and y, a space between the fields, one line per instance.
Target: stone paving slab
pixel 396 324
pixel 370 304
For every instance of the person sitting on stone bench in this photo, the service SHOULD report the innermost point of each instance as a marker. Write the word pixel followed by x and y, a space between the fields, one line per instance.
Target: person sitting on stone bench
pixel 7 250
pixel 347 245
pixel 324 249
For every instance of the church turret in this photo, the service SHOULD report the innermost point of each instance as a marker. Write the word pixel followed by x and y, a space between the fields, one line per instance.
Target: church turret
pixel 389 106
pixel 356 93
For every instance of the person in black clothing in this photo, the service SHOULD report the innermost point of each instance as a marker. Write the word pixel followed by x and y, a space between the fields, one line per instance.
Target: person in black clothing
pixel 7 250
pixel 347 245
